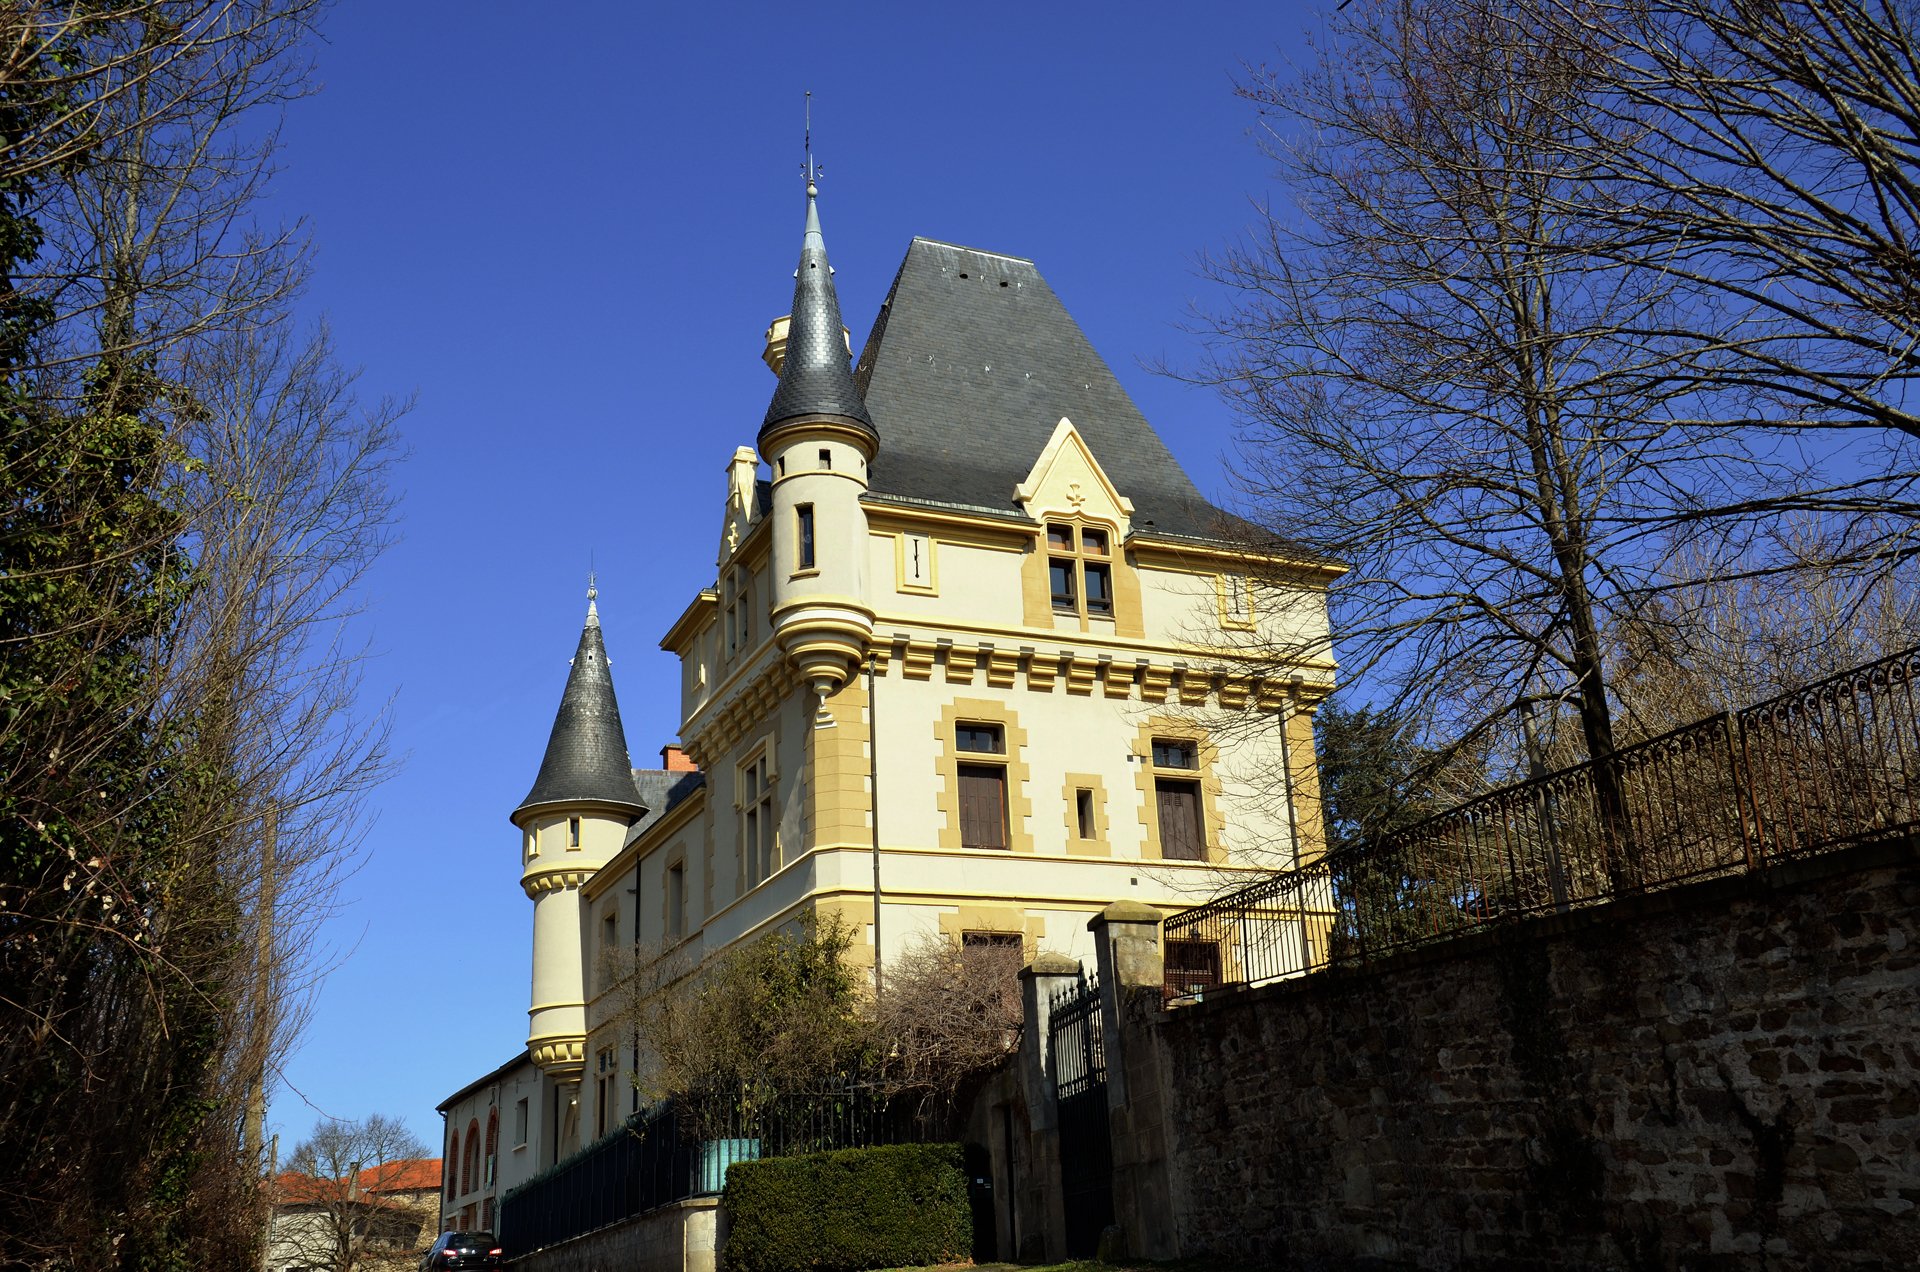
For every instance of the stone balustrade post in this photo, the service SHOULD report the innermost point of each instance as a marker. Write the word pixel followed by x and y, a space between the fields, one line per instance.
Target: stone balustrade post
pixel 1043 1209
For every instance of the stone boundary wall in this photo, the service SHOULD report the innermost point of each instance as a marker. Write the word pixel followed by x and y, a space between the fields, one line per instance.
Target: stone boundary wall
pixel 681 1237
pixel 1724 1075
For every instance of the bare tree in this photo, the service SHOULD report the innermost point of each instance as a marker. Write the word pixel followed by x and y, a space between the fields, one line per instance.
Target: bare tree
pixel 778 1017
pixel 1451 385
pixel 356 1195
pixel 1779 170
pixel 190 494
pixel 952 1013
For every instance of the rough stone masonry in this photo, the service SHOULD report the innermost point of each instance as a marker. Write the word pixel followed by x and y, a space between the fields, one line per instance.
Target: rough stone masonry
pixel 1725 1075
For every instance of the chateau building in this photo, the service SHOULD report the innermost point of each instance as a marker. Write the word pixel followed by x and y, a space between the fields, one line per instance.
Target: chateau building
pixel 978 660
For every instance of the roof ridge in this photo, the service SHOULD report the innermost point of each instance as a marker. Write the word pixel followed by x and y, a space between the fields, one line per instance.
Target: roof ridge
pixel 977 251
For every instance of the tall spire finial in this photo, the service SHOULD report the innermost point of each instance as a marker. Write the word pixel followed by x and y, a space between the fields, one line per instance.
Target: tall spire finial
pixel 813 173
pixel 593 597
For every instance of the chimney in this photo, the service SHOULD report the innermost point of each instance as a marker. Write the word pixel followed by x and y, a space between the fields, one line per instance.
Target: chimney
pixel 674 760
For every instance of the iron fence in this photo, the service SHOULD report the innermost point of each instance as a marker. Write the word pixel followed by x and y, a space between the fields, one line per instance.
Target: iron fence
pixel 1824 766
pixel 682 1149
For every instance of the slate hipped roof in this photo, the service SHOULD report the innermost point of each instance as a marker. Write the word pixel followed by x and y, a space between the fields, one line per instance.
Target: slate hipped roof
pixel 970 366
pixel 815 379
pixel 586 759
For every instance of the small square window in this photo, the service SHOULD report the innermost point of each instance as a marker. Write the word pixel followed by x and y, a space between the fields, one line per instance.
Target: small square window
pixel 1060 538
pixel 1093 542
pixel 826 458
pixel 980 737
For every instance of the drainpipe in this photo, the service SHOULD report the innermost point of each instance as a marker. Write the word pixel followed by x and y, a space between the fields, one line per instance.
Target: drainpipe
pixel 873 807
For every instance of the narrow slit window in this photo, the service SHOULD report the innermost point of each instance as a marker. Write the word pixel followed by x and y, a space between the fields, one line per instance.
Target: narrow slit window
pixel 804 513
pixel 1083 812
pixel 826 459
pixel 573 832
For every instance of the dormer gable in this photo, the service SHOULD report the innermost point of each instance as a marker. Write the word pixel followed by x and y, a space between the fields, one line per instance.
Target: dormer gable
pixel 1067 481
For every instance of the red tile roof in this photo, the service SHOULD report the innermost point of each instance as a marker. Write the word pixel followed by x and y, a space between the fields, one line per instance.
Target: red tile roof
pixel 420 1174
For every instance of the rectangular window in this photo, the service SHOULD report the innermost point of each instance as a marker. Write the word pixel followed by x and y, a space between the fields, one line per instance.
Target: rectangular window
pixel 986 738
pixel 520 1123
pixel 757 824
pixel 1192 967
pixel 826 458
pixel 1100 590
pixel 1182 837
pixel 1078 570
pixel 805 515
pixel 983 806
pixel 573 832
pixel 1172 753
pixel 1083 812
pixel 676 900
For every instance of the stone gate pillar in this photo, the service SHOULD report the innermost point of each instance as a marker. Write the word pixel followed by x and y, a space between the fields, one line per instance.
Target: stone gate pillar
pixel 1126 939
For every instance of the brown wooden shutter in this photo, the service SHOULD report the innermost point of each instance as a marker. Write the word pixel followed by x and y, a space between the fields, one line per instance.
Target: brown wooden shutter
pixel 1181 835
pixel 983 806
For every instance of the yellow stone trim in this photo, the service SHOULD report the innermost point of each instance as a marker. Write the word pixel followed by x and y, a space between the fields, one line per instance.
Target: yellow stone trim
pixel 932 586
pixel 1206 755
pixel 1019 770
pixel 1031 929
pixel 1204 558
pixel 1101 845
pixel 1117 680
pixel 992 533
pixel 1043 672
pixel 1221 592
pixel 693 620
pixel 1305 770
pixel 1003 666
pixel 835 794
pixel 554 879
pixel 994 633
pixel 1194 684
pixel 916 659
pixel 961 661
pixel 1081 673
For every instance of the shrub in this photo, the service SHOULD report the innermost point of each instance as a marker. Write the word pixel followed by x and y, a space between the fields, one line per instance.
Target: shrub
pixel 900 1206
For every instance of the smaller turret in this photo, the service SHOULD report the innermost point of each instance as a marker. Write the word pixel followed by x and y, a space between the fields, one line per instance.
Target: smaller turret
pixel 572 822
pixel 819 440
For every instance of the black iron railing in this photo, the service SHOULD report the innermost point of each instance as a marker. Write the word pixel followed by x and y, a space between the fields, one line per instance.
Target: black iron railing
pixel 681 1150
pixel 1832 764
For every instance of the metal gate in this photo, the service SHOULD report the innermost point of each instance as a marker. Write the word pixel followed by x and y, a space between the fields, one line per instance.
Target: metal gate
pixel 1078 1047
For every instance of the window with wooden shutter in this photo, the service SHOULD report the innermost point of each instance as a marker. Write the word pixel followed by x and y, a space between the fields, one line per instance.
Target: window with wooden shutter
pixel 983 806
pixel 1182 835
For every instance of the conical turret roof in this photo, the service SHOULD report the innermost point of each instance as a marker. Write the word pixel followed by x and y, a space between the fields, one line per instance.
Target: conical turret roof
pixel 816 379
pixel 586 760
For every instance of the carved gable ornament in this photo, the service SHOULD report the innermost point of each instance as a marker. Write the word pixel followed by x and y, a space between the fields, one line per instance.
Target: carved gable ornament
pixel 742 471
pixel 1067 481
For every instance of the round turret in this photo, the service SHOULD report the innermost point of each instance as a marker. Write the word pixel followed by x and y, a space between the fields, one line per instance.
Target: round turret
pixel 819 440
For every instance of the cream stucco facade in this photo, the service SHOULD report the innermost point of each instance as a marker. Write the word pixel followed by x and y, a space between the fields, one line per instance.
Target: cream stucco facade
pixel 1015 707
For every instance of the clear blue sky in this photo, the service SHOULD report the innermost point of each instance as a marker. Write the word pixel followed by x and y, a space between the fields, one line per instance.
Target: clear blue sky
pixel 565 228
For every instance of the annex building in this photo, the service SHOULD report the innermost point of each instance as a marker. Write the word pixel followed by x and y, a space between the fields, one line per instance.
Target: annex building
pixel 978 659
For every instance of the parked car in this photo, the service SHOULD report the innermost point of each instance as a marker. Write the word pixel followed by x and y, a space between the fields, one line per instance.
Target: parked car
pixel 464 1250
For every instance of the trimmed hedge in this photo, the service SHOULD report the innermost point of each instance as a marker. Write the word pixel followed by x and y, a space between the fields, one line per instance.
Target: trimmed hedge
pixel 858 1208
